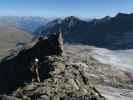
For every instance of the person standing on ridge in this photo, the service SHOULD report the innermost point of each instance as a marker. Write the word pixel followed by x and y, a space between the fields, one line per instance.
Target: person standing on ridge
pixel 35 71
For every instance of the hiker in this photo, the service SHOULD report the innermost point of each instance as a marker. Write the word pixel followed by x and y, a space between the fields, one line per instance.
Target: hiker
pixel 35 70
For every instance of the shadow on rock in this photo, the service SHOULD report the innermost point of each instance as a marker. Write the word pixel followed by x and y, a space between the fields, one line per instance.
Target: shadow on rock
pixel 15 71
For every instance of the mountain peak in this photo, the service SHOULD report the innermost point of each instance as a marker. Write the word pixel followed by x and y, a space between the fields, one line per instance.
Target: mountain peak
pixel 106 18
pixel 71 17
pixel 71 21
pixel 121 14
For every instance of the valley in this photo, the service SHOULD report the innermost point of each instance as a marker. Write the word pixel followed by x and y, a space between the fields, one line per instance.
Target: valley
pixel 110 70
pixel 66 49
pixel 10 36
pixel 94 50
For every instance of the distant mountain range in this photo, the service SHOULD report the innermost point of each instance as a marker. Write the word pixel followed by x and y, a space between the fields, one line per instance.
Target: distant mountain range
pixel 109 32
pixel 29 24
pixel 15 31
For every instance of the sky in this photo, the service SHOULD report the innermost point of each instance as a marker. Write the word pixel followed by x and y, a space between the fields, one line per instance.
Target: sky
pixel 63 8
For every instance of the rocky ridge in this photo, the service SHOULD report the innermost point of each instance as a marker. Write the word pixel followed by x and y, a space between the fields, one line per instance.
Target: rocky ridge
pixel 61 79
pixel 110 32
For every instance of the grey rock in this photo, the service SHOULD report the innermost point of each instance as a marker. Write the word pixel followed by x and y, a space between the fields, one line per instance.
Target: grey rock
pixel 59 80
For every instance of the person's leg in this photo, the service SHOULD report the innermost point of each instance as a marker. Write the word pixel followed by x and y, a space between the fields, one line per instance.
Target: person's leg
pixel 34 74
pixel 34 79
pixel 37 74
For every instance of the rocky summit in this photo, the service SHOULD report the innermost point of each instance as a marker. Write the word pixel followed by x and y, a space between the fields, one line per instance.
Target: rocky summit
pixel 43 72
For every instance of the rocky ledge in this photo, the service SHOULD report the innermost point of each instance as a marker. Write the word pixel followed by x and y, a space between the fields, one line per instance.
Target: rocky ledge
pixel 42 72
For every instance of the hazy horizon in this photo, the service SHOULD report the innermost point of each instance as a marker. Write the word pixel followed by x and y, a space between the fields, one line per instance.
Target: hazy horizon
pixel 63 8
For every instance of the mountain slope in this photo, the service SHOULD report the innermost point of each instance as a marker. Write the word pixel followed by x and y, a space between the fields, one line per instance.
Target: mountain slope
pixel 57 78
pixel 10 36
pixel 110 70
pixel 109 32
pixel 27 23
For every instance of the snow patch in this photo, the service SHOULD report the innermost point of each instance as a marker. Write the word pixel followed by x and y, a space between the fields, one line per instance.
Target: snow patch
pixel 120 58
